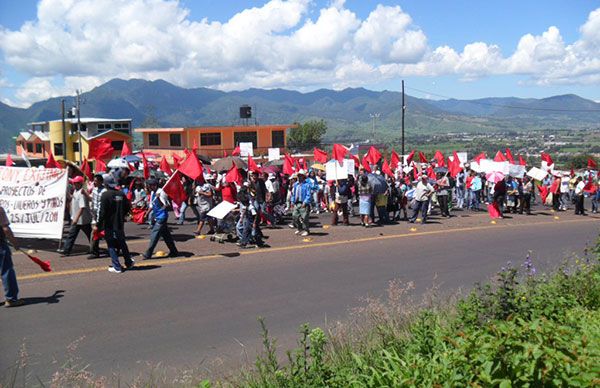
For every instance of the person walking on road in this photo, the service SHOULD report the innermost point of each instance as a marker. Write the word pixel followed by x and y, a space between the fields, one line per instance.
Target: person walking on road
pixel 159 201
pixel 114 207
pixel 301 197
pixel 97 192
pixel 81 217
pixel 423 193
pixel 579 192
pixel 9 277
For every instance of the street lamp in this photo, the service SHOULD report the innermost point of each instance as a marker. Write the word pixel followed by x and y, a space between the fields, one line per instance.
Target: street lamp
pixel 374 116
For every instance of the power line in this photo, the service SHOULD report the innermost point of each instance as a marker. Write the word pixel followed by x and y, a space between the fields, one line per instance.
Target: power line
pixel 504 106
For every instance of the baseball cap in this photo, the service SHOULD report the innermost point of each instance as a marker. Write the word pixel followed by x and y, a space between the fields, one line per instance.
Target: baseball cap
pixel 77 179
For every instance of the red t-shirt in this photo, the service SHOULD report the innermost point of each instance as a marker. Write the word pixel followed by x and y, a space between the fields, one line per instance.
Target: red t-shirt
pixel 468 181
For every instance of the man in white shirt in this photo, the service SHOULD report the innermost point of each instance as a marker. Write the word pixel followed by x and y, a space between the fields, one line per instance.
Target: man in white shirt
pixel 579 186
pixel 81 217
pixel 423 193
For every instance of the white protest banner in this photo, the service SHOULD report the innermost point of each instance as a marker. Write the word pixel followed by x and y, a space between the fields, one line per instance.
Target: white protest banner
pixel 274 154
pixel 349 166
pixel 537 174
pixel 475 166
pixel 246 149
pixel 221 210
pixel 488 165
pixel 34 200
pixel 335 171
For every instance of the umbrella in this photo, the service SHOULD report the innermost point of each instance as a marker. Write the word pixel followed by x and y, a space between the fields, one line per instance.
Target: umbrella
pixel 153 174
pixel 442 170
pixel 494 176
pixel 224 164
pixel 149 155
pixel 276 162
pixel 318 166
pixel 378 182
pixel 118 163
pixel 204 159
pixel 132 158
pixel 271 169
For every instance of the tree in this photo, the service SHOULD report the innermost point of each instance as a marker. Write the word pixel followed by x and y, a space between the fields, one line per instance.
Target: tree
pixel 307 135
pixel 581 160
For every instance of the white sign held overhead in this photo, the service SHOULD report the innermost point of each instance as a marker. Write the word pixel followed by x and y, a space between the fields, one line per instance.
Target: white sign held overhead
pixel 274 154
pixel 34 200
pixel 335 171
pixel 246 149
pixel 537 174
pixel 349 166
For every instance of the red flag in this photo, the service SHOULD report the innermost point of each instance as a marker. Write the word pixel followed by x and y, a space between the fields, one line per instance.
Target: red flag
pixel 431 173
pixel 543 192
pixel 146 167
pixel 454 167
pixel 339 152
pixel 365 164
pixel 126 150
pixel 192 167
pixel 225 153
pixel 51 162
pixel 572 172
pixel 422 157
pixel 9 161
pixel 320 155
pixel 440 159
pixel 288 164
pixel 165 167
pixel 395 159
pixel 493 210
pixel 176 160
pixel 546 158
pixel 174 189
pixel 195 147
pixel 356 160
pixel 98 234
pixel 86 170
pixel 100 165
pixel 522 161
pixel 409 158
pixel 130 191
pixel 236 151
pixel 100 149
pixel 499 157
pixel 131 167
pixel 233 175
pixel 591 164
pixel 479 157
pixel 373 155
pixel 252 166
pixel 44 265
pixel 509 156
pixel 385 168
pixel 415 172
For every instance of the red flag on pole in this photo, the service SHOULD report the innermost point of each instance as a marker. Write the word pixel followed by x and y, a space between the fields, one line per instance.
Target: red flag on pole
pixel 195 147
pixel 339 152
pixel 522 161
pixel 454 167
pixel 176 160
pixel 440 159
pixel 145 166
pixel 385 168
pixel 165 167
pixel 288 165
pixel 9 161
pixel 86 170
pixel 479 157
pixel 192 167
pixel 174 189
pixel 409 158
pixel 233 175
pixel 395 159
pixel 373 155
pixel 44 265
pixel 509 156
pixel 100 149
pixel 365 164
pixel 422 157
pixel 499 157
pixel 320 155
pixel 130 191
pixel 51 162
pixel 356 160
pixel 546 158
pixel 591 164
pixel 126 150
pixel 236 151
pixel 100 165
pixel 493 210
pixel 431 173
pixel 252 166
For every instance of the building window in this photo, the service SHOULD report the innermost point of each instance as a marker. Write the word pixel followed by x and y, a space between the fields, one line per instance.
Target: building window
pixel 75 146
pixel 245 137
pixel 175 139
pixel 117 145
pixel 121 125
pixel 29 147
pixel 278 139
pixel 38 127
pixel 153 139
pixel 209 139
pixel 38 148
pixel 58 149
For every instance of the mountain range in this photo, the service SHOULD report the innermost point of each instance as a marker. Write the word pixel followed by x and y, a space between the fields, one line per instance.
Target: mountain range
pixel 348 112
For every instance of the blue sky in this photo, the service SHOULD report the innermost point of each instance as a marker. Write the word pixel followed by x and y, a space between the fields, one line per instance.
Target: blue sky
pixel 459 49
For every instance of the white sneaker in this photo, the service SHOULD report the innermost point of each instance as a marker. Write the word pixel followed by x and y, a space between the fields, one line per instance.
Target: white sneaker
pixel 291 226
pixel 113 270
pixel 297 232
pixel 304 234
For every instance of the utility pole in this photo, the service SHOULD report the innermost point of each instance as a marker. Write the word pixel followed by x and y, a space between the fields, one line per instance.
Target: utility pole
pixel 374 116
pixel 78 106
pixel 403 109
pixel 64 129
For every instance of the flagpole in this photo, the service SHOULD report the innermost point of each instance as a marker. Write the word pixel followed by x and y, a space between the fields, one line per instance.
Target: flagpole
pixel 403 109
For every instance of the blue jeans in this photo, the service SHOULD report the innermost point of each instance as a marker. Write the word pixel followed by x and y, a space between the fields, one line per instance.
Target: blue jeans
pixel 261 208
pixel 184 207
pixel 474 204
pixel 460 197
pixel 160 229
pixel 423 206
pixel 244 228
pixel 115 240
pixel 9 277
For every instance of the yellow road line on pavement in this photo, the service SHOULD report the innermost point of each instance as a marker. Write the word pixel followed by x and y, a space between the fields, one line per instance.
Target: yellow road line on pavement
pixel 293 247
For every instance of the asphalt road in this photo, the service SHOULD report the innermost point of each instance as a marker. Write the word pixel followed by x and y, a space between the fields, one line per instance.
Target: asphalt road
pixel 202 311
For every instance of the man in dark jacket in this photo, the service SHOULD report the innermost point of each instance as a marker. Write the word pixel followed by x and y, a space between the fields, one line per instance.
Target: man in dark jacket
pixel 114 206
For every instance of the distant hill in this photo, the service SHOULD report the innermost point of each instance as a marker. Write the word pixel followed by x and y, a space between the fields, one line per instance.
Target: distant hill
pixel 347 112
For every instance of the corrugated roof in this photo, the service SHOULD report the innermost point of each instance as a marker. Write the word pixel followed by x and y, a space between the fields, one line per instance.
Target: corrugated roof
pixel 84 120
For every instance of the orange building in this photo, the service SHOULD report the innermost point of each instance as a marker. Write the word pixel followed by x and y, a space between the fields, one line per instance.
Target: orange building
pixel 214 141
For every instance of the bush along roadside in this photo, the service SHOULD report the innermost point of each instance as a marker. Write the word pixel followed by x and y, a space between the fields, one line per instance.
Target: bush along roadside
pixel 524 330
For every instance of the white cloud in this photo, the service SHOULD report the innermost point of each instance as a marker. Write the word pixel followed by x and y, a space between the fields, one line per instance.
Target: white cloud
pixel 80 44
